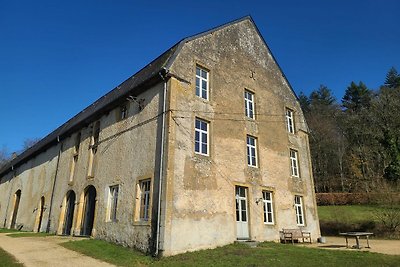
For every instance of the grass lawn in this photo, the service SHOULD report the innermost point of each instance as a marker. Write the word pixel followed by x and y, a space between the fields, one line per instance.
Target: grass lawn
pixel 267 254
pixel 349 213
pixel 4 230
pixel 8 260
pixel 29 234
pixel 380 220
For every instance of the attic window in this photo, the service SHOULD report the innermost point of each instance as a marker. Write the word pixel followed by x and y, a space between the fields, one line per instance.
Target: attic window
pixel 123 112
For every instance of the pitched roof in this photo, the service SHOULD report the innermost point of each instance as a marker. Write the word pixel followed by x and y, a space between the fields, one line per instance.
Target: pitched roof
pixel 134 85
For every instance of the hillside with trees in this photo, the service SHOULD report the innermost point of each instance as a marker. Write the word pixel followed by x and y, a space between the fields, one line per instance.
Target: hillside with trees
pixel 355 143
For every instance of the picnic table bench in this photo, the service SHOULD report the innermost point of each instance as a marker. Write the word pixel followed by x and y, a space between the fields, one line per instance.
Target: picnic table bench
pixel 357 236
pixel 295 235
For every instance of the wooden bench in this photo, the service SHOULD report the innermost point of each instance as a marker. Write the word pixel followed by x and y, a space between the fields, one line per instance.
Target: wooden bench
pixel 295 235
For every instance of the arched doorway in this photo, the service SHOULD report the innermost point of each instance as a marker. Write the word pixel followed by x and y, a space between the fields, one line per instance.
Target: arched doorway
pixel 40 214
pixel 69 212
pixel 17 197
pixel 88 211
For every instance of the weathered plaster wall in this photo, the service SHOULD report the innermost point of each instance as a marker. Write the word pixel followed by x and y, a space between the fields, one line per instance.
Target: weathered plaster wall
pixel 126 153
pixel 201 189
pixel 34 179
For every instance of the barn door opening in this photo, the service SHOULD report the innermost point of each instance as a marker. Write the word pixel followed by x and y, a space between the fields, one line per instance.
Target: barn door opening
pixel 89 211
pixel 69 213
pixel 17 197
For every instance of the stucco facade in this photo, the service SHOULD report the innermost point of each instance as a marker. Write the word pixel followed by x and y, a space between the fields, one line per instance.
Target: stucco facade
pixel 136 156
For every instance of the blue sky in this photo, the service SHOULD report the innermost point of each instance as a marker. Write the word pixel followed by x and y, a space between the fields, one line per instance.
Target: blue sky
pixel 57 57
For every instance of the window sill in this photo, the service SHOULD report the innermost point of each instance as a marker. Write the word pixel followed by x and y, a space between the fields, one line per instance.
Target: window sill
pixel 253 167
pixel 142 223
pixel 201 154
pixel 269 224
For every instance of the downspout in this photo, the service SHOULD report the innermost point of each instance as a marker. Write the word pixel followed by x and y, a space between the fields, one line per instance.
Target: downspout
pixel 54 185
pixel 161 171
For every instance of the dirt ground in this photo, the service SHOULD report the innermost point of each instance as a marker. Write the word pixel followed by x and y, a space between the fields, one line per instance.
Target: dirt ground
pixel 391 247
pixel 45 252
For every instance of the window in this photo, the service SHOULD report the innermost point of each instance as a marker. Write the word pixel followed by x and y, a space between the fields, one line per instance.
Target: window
pixel 201 83
pixel 144 193
pixel 123 112
pixel 113 201
pixel 96 134
pixel 94 142
pixel 289 120
pixel 249 104
pixel 294 163
pixel 268 208
pixel 251 151
pixel 201 137
pixel 298 205
pixel 75 157
pixel 77 143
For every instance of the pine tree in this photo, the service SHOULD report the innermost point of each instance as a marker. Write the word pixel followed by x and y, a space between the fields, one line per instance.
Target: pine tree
pixel 392 78
pixel 356 97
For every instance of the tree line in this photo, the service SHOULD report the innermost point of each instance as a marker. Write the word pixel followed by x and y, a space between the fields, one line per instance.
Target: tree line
pixel 355 144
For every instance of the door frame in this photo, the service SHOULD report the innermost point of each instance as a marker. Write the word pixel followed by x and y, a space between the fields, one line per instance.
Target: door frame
pixel 246 198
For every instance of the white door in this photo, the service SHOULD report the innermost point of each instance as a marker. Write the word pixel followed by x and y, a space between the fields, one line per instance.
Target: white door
pixel 242 226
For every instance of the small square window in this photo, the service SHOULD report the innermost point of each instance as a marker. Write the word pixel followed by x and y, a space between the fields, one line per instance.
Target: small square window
pixel 202 83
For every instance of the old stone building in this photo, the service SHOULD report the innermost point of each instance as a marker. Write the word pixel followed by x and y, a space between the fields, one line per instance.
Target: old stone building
pixel 205 145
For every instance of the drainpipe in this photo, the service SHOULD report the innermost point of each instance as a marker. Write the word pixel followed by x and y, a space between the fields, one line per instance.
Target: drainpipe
pixel 54 185
pixel 161 171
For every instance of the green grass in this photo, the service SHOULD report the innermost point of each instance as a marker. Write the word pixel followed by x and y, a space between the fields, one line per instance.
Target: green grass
pixel 267 254
pixel 8 260
pixel 4 230
pixel 349 213
pixel 29 234
pixel 379 219
pixel 108 252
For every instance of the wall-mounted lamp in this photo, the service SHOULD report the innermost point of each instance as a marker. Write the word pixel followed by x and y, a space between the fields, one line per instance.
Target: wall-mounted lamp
pixel 258 200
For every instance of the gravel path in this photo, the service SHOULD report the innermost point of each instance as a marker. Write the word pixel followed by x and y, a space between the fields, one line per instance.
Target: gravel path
pixel 45 252
pixel 391 247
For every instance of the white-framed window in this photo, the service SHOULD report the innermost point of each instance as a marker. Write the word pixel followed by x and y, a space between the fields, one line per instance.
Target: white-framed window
pixel 289 120
pixel 201 137
pixel 113 202
pixel 268 207
pixel 294 166
pixel 144 209
pixel 251 151
pixel 298 205
pixel 202 83
pixel 249 104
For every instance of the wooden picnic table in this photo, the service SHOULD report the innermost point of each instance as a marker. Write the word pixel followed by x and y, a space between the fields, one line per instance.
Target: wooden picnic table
pixel 357 236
